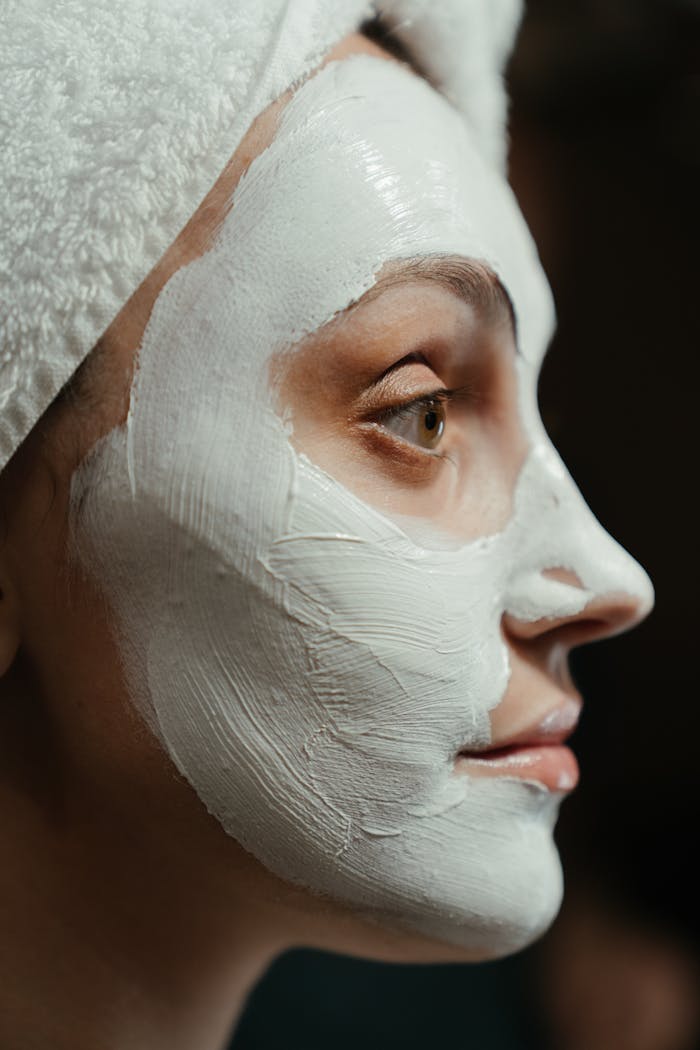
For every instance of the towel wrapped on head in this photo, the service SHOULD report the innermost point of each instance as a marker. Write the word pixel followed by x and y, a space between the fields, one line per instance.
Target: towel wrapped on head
pixel 117 117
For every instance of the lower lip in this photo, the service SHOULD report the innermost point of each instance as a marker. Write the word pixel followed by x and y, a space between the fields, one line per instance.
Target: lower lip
pixel 552 765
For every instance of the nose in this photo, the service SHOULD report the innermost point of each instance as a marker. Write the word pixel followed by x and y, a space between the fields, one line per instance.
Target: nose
pixel 601 616
pixel 568 573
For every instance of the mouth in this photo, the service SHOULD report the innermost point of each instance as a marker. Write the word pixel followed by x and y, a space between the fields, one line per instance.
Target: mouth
pixel 537 753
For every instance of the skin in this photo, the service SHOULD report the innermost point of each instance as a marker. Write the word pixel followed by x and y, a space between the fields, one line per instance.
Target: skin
pixel 130 919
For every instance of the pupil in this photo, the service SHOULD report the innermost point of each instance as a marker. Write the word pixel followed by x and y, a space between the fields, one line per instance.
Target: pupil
pixel 431 420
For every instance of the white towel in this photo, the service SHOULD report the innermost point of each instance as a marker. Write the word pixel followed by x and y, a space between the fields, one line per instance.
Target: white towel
pixel 116 118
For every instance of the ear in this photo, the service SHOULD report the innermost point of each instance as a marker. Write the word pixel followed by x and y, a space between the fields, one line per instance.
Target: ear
pixel 9 624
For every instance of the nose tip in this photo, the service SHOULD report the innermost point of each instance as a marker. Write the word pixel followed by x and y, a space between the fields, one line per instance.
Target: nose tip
pixel 644 593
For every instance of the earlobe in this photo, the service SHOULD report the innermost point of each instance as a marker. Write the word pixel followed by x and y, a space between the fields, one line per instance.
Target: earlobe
pixel 9 628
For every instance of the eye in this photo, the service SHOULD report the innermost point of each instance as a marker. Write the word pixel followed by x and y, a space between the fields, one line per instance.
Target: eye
pixel 420 422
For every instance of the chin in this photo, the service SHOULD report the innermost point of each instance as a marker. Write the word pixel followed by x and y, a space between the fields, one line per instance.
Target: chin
pixel 476 889
pixel 441 938
pixel 507 915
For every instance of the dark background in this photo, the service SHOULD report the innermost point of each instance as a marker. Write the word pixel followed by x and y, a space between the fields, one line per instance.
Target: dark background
pixel 605 160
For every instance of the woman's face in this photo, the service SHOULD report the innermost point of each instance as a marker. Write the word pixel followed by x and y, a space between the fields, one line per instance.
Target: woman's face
pixel 344 562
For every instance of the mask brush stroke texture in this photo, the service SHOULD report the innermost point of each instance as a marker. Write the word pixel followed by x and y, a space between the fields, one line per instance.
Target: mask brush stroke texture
pixel 272 623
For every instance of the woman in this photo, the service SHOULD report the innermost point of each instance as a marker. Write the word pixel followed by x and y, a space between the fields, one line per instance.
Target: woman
pixel 290 570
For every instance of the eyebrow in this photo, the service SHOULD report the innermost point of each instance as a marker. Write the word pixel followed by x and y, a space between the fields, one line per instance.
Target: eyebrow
pixel 470 280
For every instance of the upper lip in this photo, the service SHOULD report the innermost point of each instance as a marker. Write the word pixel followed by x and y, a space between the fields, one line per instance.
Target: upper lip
pixel 554 727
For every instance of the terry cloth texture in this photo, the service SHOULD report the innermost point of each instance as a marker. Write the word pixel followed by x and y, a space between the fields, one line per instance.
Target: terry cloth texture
pixel 117 117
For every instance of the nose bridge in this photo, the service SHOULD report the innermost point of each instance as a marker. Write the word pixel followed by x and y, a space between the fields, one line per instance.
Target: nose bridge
pixel 553 528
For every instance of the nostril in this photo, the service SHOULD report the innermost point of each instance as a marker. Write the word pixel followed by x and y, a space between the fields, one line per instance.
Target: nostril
pixel 602 617
pixel 586 629
pixel 570 631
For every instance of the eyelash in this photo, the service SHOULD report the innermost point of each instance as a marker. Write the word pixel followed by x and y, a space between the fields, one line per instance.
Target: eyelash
pixel 408 408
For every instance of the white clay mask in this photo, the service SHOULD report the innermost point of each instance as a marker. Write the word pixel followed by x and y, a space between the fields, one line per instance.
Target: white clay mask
pixel 272 623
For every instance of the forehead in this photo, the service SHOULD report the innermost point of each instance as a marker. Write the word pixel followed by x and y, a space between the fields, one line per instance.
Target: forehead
pixel 370 165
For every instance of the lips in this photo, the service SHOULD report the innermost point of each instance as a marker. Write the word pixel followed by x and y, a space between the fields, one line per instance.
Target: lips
pixel 537 752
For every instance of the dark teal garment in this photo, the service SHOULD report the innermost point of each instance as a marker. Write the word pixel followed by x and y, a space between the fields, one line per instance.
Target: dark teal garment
pixel 314 1001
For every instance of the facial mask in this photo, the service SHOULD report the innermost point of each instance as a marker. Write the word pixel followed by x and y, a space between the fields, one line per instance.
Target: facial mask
pixel 312 668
